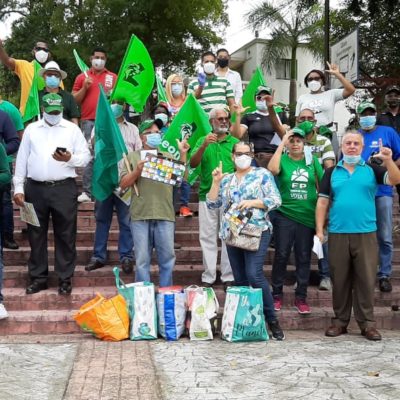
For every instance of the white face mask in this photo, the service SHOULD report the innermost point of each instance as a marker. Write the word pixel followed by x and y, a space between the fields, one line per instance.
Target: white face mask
pixel 52 119
pixel 314 86
pixel 243 162
pixel 41 56
pixel 209 68
pixel 98 63
pixel 176 89
pixel 260 105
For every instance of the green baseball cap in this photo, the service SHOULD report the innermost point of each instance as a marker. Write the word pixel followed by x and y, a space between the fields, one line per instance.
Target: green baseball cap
pixel 262 89
pixel 148 123
pixel 298 132
pixel 52 102
pixel 364 106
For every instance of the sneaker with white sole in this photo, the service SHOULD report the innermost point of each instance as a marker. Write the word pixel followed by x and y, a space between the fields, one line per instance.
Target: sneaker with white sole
pixel 277 303
pixel 325 284
pixel 3 312
pixel 84 198
pixel 302 307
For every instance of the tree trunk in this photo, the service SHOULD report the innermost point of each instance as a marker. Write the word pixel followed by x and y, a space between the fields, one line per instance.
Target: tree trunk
pixel 293 84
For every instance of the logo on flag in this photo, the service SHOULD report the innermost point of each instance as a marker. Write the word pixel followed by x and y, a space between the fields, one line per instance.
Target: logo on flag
pixel 131 71
pixel 187 130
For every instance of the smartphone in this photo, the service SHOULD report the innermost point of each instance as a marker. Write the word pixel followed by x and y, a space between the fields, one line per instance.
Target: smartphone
pixel 60 150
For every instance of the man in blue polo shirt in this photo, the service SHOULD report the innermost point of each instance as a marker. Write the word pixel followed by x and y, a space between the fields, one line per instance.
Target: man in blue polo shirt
pixel 350 189
pixel 373 135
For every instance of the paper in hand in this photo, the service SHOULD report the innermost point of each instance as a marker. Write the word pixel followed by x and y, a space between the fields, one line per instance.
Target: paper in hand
pixel 28 214
pixel 317 248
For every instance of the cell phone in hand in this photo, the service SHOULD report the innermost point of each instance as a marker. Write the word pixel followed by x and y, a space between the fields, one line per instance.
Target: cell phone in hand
pixel 61 150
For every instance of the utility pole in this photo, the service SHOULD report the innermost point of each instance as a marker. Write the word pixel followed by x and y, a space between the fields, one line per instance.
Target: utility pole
pixel 326 43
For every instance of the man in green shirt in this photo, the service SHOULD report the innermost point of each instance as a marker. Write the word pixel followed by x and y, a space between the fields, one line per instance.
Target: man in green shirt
pixel 208 152
pixel 152 210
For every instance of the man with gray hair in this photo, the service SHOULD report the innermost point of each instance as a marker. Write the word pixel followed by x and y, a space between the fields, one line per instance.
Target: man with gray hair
pixel 210 152
pixel 349 190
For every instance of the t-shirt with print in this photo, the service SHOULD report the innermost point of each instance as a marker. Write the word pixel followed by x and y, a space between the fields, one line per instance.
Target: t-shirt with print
pixel 323 104
pixel 321 147
pixel 390 139
pixel 298 187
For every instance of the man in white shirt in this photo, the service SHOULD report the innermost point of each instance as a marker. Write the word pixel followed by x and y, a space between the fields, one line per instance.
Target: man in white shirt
pixel 233 77
pixel 50 151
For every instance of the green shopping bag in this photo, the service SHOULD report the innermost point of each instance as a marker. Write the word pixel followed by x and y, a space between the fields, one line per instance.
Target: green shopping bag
pixel 243 319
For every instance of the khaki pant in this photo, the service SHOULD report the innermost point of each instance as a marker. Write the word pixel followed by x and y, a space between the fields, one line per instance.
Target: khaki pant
pixel 353 260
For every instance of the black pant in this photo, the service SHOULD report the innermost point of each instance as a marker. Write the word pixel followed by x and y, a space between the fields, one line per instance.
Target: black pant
pixel 59 202
pixel 288 233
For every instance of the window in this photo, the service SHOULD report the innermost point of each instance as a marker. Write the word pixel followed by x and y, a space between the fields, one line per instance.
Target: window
pixel 282 68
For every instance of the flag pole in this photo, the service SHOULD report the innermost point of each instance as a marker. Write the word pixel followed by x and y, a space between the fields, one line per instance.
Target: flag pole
pixel 128 167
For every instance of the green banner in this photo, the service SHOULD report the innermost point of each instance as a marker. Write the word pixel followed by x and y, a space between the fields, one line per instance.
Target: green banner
pixel 81 64
pixel 32 108
pixel 161 95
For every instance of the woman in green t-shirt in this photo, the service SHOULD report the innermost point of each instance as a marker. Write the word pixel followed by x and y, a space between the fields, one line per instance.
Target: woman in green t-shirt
pixel 298 175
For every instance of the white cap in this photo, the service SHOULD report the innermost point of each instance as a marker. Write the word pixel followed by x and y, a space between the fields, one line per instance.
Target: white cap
pixel 52 66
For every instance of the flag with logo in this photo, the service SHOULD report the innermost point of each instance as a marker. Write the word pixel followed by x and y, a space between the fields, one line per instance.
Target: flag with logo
pixel 191 123
pixel 81 64
pixel 161 95
pixel 32 108
pixel 136 76
pixel 109 149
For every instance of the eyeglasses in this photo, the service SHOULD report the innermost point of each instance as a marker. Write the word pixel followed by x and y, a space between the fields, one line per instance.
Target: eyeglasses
pixel 42 48
pixel 222 119
pixel 260 97
pixel 313 78
pixel 248 153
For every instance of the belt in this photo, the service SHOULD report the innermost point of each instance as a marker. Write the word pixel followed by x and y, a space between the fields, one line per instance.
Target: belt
pixel 51 183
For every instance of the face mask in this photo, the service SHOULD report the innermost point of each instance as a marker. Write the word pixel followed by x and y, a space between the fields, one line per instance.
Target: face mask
pixel 98 63
pixel 52 82
pixel 307 126
pixel 222 62
pixel 162 117
pixel 260 105
pixel 243 162
pixel 351 159
pixel 314 86
pixel 368 122
pixel 52 119
pixel 209 68
pixel 117 110
pixel 41 56
pixel 153 140
pixel 176 89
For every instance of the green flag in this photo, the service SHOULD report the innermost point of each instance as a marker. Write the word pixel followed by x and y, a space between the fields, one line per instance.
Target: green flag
pixel 32 108
pixel 108 149
pixel 162 96
pixel 136 76
pixel 81 64
pixel 248 99
pixel 191 122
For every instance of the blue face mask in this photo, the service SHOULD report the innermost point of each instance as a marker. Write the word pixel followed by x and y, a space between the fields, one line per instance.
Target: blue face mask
pixel 52 81
pixel 117 110
pixel 153 140
pixel 351 159
pixel 368 122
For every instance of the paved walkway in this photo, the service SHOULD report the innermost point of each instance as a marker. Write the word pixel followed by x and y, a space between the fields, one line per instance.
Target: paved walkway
pixel 305 366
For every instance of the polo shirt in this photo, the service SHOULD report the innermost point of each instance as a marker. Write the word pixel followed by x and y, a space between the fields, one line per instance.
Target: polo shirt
pixel 213 154
pixel 13 113
pixel 388 119
pixel 321 147
pixel 216 92
pixel 89 103
pixel 235 80
pixel 71 109
pixel 390 139
pixel 352 197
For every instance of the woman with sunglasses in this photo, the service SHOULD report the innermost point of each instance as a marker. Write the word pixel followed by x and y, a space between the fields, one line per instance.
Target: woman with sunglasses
pixel 251 191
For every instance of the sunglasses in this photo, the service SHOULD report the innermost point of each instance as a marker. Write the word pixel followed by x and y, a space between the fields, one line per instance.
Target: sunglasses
pixel 42 48
pixel 314 78
pixel 248 153
pixel 222 119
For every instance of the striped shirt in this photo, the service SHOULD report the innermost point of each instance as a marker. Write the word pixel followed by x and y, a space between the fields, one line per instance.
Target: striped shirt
pixel 216 92
pixel 321 147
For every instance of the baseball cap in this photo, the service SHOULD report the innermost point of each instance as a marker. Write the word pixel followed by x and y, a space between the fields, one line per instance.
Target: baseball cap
pixel 52 66
pixel 52 102
pixel 364 106
pixel 391 89
pixel 148 123
pixel 262 89
pixel 298 132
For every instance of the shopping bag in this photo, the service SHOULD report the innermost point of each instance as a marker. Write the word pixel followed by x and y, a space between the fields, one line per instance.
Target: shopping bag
pixel 243 318
pixel 107 319
pixel 171 309
pixel 140 297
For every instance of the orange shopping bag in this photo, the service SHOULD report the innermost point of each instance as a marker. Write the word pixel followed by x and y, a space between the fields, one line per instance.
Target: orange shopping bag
pixel 107 319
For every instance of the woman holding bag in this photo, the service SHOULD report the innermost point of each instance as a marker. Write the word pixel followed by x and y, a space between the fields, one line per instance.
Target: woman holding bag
pixel 246 197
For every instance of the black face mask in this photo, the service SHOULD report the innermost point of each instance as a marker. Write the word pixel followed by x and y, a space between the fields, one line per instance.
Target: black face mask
pixel 222 62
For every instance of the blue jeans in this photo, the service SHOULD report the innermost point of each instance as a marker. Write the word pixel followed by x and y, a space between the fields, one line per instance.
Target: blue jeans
pixel 185 193
pixel 247 268
pixel 288 233
pixel 87 127
pixel 104 212
pixel 159 235
pixel 384 206
pixel 323 265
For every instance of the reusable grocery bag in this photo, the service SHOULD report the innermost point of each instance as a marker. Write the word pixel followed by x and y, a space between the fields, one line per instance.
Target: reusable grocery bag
pixel 141 303
pixel 243 319
pixel 171 308
pixel 107 319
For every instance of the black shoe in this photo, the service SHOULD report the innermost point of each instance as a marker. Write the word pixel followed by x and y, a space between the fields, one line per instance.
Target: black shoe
pixel 385 285
pixel 276 330
pixel 127 266
pixel 65 288
pixel 177 246
pixel 206 284
pixel 94 264
pixel 36 287
pixel 228 284
pixel 10 243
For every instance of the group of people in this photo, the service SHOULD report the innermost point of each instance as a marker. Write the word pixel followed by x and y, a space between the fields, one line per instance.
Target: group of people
pixel 285 181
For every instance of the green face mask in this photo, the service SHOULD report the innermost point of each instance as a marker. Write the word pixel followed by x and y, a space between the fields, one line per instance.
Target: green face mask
pixel 306 126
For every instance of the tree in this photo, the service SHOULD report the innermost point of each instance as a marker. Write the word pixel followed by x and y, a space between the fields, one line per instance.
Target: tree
pixel 291 24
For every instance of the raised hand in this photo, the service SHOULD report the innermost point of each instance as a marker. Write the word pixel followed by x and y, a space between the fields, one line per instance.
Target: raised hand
pixel 217 173
pixel 287 137
pixel 238 109
pixel 269 99
pixel 183 145
pixel 384 152
pixel 333 69
pixel 201 77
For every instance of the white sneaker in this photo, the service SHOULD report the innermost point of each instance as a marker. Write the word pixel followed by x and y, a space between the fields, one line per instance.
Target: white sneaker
pixel 3 312
pixel 325 284
pixel 84 198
